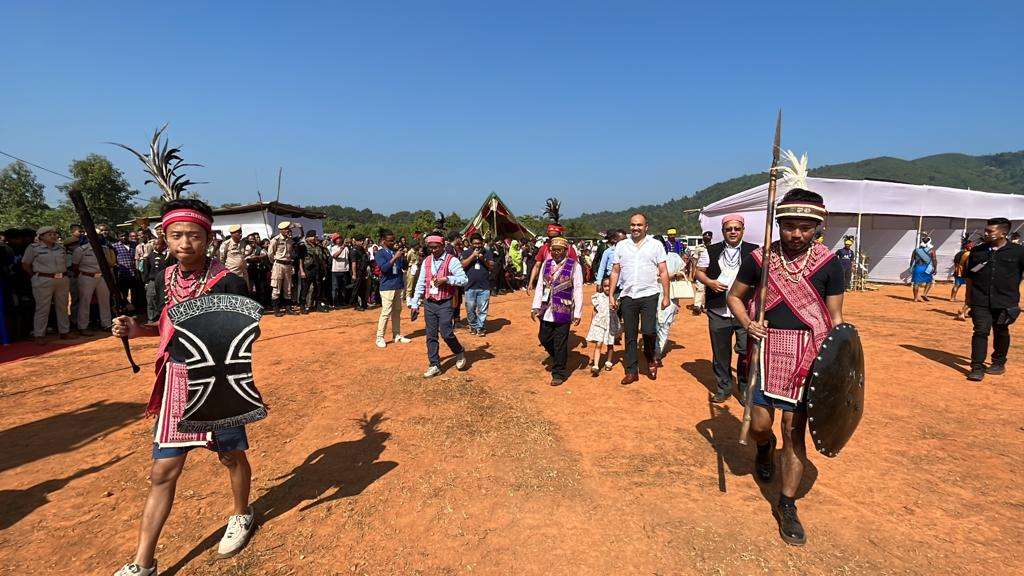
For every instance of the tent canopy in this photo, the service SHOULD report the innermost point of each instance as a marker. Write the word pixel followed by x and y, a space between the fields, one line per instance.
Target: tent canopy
pixel 496 216
pixel 883 216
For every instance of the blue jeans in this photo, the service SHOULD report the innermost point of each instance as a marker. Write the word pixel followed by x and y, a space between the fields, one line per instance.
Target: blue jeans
pixel 477 302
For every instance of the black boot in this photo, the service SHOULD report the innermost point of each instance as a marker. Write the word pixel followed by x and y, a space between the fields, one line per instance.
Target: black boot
pixel 996 369
pixel 764 464
pixel 277 308
pixel 790 528
pixel 977 373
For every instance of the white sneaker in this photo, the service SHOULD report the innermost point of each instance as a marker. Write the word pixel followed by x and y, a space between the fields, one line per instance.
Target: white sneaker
pixel 381 343
pixel 432 371
pixel 402 339
pixel 237 534
pixel 460 361
pixel 136 570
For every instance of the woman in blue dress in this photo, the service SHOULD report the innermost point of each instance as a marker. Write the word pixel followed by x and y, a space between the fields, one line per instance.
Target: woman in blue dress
pixel 922 265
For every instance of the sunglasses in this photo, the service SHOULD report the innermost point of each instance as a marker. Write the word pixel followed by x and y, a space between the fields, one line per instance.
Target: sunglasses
pixel 739 229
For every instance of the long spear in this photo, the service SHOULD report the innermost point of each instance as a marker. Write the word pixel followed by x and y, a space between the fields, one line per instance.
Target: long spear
pixel 769 225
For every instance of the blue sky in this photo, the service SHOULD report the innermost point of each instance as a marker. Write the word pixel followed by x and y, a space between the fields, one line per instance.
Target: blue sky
pixel 410 105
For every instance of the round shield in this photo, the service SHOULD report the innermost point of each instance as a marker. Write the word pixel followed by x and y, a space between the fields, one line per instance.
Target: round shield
pixel 835 392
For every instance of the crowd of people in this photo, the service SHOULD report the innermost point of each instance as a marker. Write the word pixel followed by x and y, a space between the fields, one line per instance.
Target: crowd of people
pixel 640 280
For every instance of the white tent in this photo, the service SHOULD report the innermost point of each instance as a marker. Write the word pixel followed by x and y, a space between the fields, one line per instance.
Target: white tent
pixel 885 217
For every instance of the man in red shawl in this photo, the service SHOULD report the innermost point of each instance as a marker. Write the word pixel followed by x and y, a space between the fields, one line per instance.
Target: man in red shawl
pixel 188 225
pixel 804 302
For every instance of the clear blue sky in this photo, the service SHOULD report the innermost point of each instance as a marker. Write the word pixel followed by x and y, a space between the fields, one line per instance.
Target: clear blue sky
pixel 409 105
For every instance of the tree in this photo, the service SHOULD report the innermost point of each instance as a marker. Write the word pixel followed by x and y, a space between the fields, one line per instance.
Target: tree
pixel 104 187
pixel 22 202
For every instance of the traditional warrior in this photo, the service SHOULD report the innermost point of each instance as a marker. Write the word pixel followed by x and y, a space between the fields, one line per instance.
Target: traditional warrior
pixel 188 227
pixel 553 210
pixel 558 302
pixel 716 270
pixel 282 256
pixel 804 301
pixel 439 277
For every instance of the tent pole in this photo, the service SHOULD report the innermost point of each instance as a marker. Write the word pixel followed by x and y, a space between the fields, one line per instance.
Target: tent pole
pixel 920 222
pixel 861 274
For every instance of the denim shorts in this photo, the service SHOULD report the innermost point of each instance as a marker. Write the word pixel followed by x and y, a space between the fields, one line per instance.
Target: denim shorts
pixel 227 440
pixel 959 281
pixel 761 400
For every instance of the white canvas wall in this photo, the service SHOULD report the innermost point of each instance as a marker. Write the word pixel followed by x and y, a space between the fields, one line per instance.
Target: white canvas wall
pixel 890 219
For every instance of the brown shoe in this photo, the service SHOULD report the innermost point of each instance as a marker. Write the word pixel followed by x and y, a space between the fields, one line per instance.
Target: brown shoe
pixel 557 381
pixel 629 379
pixel 66 336
pixel 84 333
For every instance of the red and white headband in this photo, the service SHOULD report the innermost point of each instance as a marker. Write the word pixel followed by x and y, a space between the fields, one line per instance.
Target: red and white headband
pixel 187 215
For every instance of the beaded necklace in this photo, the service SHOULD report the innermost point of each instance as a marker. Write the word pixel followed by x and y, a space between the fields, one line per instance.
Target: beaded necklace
pixel 185 287
pixel 782 264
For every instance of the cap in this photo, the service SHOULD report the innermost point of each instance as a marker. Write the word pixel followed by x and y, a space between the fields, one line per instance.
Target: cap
pixel 671 232
pixel 44 229
pixel 234 228
pixel 284 225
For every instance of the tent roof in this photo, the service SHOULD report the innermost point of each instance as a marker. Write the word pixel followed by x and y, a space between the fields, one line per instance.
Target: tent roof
pixel 880 197
pixel 493 208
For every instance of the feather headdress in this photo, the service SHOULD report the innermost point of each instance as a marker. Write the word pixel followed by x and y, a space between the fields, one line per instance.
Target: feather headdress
pixel 163 164
pixel 794 172
pixel 553 210
pixel 440 221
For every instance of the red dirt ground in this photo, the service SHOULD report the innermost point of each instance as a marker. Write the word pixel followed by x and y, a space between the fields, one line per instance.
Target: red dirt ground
pixel 363 467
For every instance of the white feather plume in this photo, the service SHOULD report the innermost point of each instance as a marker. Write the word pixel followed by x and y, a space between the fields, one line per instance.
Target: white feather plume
pixel 794 170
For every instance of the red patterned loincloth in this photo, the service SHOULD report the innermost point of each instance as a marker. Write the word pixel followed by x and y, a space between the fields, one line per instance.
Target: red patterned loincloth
pixel 172 407
pixel 780 359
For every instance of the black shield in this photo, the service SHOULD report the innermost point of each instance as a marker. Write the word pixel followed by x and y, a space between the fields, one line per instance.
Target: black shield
pixel 835 392
pixel 213 338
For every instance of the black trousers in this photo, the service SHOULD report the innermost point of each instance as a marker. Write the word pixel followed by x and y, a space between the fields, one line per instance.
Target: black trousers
pixel 438 318
pixel 359 288
pixel 311 289
pixel 984 322
pixel 340 293
pixel 555 339
pixel 640 315
pixel 723 330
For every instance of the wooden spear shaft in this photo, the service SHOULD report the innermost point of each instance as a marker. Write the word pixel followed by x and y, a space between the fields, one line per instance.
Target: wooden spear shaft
pixel 769 224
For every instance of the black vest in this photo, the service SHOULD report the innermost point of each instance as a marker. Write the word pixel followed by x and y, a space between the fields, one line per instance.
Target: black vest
pixel 714 299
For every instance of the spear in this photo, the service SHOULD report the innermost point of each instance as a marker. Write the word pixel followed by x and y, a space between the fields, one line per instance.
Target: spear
pixel 769 224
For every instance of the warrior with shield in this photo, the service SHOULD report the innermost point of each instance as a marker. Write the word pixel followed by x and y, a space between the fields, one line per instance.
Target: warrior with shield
pixel 203 394
pixel 804 301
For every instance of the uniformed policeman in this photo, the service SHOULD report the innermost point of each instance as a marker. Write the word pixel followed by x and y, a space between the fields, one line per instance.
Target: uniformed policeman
pixel 232 253
pixel 282 254
pixel 46 261
pixel 90 282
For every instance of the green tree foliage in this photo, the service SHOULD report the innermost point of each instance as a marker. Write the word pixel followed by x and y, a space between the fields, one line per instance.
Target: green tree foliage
pixel 104 187
pixel 22 202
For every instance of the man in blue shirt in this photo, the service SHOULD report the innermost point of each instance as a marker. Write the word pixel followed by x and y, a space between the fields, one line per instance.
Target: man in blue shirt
pixel 478 262
pixel 391 263
pixel 440 276
pixel 605 269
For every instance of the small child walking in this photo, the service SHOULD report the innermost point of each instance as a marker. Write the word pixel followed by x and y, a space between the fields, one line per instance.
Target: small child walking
pixel 604 327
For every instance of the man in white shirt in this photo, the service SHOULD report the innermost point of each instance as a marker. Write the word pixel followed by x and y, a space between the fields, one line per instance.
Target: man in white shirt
pixel 716 269
pixel 340 275
pixel 638 267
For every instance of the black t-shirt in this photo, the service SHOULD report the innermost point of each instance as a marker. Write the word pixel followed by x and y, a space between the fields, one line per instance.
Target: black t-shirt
pixel 828 281
pixel 477 272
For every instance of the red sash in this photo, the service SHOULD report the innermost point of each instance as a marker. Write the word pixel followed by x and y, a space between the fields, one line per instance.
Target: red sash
pixel 788 354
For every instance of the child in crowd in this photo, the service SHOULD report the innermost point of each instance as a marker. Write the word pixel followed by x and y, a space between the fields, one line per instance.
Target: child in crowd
pixel 604 327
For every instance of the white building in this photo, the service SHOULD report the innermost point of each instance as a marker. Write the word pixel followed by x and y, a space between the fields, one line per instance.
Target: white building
pixel 261 218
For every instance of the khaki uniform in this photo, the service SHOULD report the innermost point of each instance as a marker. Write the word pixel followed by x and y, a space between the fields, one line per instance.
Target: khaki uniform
pixel 282 253
pixel 232 255
pixel 50 285
pixel 90 283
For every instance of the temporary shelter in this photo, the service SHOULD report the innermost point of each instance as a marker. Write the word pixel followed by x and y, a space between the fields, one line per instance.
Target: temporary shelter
pixel 886 219
pixel 261 217
pixel 494 215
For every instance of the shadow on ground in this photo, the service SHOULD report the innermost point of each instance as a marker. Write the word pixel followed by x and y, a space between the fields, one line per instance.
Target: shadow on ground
pixel 64 432
pixel 337 471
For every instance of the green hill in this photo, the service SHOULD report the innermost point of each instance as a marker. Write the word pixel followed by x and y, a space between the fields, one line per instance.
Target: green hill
pixel 1002 172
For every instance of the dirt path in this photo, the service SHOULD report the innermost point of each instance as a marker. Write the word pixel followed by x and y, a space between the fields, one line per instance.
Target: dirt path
pixel 365 468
